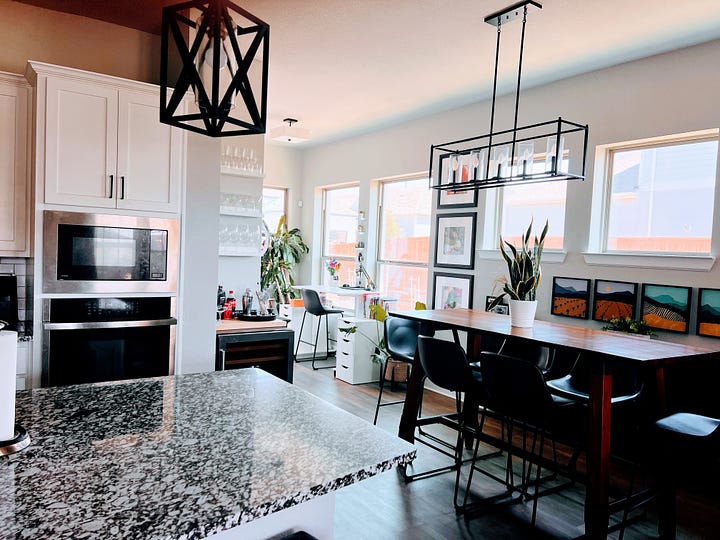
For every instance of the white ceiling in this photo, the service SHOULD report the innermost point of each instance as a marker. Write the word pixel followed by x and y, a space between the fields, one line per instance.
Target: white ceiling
pixel 344 67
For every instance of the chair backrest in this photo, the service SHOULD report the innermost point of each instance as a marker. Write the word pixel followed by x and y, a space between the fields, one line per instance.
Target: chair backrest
pixel 539 355
pixel 516 388
pixel 444 363
pixel 401 337
pixel 626 380
pixel 312 302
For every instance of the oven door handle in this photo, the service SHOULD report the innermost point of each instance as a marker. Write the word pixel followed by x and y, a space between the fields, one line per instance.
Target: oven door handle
pixel 108 324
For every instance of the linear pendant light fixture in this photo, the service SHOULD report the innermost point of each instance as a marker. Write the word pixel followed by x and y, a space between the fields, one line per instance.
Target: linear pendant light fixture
pixel 218 44
pixel 547 151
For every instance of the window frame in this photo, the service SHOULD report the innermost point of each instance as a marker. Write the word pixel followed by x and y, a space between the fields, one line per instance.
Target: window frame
pixel 379 261
pixel 324 256
pixel 286 196
pixel 599 206
pixel 644 144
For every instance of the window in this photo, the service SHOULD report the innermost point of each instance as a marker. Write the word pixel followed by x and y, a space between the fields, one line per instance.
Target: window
pixel 340 231
pixel 274 205
pixel 520 204
pixel 660 196
pixel 404 240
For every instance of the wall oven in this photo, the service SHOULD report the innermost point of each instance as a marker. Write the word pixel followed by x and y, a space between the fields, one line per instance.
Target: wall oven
pixel 102 253
pixel 88 340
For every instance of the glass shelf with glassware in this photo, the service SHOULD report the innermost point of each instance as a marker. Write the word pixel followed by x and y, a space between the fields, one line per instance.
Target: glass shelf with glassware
pixel 239 237
pixel 234 204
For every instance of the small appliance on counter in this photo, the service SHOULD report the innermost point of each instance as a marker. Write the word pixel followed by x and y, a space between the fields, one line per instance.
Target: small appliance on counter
pixel 9 301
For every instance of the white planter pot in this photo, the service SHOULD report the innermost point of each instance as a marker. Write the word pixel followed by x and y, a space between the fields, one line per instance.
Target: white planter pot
pixel 522 313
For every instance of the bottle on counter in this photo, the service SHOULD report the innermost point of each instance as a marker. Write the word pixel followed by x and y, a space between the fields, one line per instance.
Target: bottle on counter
pixel 221 297
pixel 232 302
pixel 247 300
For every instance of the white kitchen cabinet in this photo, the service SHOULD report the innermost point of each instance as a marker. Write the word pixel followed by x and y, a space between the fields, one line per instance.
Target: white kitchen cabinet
pixel 104 145
pixel 354 350
pixel 14 177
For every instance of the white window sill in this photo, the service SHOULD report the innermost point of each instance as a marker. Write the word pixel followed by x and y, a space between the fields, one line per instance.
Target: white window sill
pixel 698 263
pixel 548 256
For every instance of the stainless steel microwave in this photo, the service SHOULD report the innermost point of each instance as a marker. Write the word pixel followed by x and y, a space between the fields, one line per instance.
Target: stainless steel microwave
pixel 103 253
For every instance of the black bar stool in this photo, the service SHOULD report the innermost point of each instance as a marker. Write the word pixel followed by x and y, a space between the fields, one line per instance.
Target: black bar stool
pixel 684 440
pixel 401 340
pixel 314 306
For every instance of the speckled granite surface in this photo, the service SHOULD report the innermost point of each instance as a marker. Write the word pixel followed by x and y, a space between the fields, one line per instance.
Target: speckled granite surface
pixel 179 457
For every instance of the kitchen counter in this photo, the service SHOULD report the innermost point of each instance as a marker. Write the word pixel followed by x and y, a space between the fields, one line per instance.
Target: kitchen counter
pixel 180 457
pixel 235 327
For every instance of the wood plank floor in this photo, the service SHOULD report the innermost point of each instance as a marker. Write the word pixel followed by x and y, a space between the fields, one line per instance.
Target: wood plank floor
pixel 385 507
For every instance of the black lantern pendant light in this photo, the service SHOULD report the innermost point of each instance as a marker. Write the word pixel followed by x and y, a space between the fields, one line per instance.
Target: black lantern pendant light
pixel 546 151
pixel 217 43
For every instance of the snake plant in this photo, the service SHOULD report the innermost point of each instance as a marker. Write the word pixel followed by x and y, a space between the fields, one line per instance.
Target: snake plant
pixel 523 267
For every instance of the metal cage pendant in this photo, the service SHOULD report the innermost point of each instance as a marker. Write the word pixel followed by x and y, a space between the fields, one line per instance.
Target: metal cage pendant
pixel 224 53
pixel 540 152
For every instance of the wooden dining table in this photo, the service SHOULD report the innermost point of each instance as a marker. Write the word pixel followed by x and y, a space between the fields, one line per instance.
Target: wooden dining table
pixel 603 351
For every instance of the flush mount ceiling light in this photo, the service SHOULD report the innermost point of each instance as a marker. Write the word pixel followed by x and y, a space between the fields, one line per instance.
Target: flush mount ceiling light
pixel 218 44
pixel 290 134
pixel 553 150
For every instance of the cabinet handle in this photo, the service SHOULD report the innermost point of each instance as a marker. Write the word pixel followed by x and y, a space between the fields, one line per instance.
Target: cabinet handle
pixel 122 187
pixel 112 185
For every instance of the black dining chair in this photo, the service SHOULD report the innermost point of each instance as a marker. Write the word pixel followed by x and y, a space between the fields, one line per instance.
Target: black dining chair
pixel 315 307
pixel 446 366
pixel 684 443
pixel 516 390
pixel 401 340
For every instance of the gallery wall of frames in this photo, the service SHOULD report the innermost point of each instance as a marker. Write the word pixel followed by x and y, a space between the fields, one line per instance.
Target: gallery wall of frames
pixel 455 250
pixel 662 307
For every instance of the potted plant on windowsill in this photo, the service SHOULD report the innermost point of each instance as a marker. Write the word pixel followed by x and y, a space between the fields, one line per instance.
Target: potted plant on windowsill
pixel 524 275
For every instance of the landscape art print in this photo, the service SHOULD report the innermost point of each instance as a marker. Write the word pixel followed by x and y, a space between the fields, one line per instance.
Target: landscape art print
pixel 571 297
pixel 614 299
pixel 708 313
pixel 666 307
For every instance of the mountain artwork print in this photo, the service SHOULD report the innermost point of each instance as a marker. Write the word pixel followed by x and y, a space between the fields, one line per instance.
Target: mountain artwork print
pixel 666 307
pixel 570 297
pixel 708 314
pixel 614 299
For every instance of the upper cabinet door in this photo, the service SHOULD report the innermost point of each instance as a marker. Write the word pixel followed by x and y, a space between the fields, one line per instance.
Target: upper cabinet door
pixel 13 169
pixel 81 143
pixel 149 155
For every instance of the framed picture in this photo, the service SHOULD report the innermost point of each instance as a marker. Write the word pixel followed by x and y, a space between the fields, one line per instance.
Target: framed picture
pixel 666 307
pixel 502 309
pixel 452 291
pixel 455 247
pixel 571 297
pixel 708 313
pixel 459 167
pixel 614 299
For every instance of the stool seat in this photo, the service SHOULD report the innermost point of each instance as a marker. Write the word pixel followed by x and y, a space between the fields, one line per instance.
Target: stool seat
pixel 314 306
pixel 689 425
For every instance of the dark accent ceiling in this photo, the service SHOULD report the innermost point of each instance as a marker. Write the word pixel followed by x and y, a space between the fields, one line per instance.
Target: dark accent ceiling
pixel 144 15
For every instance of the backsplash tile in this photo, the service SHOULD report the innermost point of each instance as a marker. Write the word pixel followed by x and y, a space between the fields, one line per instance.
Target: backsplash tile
pixel 23 269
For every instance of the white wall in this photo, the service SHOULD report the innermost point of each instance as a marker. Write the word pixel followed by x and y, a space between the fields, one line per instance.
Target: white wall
pixel 199 257
pixel 670 93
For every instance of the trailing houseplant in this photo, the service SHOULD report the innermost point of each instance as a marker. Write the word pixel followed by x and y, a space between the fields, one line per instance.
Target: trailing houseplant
pixel 286 249
pixel 524 274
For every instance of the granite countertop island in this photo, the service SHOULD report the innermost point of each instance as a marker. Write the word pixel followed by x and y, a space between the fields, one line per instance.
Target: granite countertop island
pixel 180 457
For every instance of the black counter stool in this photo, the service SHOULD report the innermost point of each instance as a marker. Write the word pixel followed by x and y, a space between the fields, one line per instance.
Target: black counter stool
pixel 516 390
pixel 683 440
pixel 401 341
pixel 446 366
pixel 314 306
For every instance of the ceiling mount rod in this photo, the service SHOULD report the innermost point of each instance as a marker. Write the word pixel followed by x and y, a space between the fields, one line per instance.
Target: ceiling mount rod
pixel 517 89
pixel 494 94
